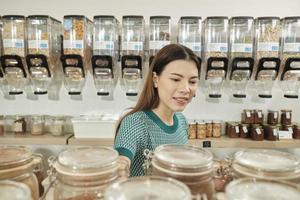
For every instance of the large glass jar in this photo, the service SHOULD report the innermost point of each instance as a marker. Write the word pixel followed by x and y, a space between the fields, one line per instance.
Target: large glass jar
pixel 266 165
pixel 85 172
pixel 37 124
pixel 17 163
pixel 158 188
pixel 11 190
pixel 188 164
pixel 252 189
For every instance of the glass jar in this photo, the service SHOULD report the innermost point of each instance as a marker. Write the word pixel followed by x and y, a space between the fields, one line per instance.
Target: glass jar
pixel 192 129
pixel 1 125
pixel 248 116
pixel 201 129
pixel 261 190
pixel 17 163
pixel 232 129
pixel 158 188
pixel 296 131
pixel 286 117
pixel 188 164
pixel 273 117
pixel 271 131
pixel 209 128
pixel 56 125
pixel 11 190
pixel 257 132
pixel 244 130
pixel 19 125
pixel 266 165
pixel 258 117
pixel 216 128
pixel 37 124
pixel 85 172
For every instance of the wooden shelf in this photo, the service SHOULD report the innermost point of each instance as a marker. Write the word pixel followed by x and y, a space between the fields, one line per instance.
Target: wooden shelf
pixel 28 139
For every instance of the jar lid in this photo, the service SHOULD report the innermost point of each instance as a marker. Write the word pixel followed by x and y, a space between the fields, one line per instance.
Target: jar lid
pixel 192 121
pixel 14 156
pixel 251 189
pixel 267 160
pixel 11 190
pixel 286 110
pixel 183 157
pixel 158 188
pixel 86 160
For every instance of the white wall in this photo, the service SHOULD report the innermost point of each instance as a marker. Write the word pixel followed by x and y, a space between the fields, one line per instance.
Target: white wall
pixel 226 108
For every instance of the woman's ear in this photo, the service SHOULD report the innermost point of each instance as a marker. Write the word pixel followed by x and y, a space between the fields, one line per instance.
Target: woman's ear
pixel 155 79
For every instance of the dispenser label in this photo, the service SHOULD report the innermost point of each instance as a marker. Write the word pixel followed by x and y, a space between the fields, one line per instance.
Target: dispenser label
pixel 220 47
pixel 13 43
pixel 103 45
pixel 38 44
pixel 195 46
pixel 132 46
pixel 291 47
pixel 73 44
pixel 158 44
pixel 242 47
pixel 285 135
pixel 268 46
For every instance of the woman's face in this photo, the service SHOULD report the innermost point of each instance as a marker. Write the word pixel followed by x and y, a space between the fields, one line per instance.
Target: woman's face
pixel 176 85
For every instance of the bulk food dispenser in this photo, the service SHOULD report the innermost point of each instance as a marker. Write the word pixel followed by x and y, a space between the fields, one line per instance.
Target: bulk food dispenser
pixel 77 52
pixel 215 54
pixel 44 48
pixel 14 52
pixel 105 52
pixel 132 53
pixel 290 77
pixel 267 60
pixel 241 54
pixel 159 34
pixel 189 33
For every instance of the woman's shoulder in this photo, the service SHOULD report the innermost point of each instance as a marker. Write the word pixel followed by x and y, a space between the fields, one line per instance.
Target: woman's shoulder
pixel 134 118
pixel 181 118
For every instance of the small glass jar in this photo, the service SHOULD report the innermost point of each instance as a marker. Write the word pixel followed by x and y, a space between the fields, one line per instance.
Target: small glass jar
pixel 257 132
pixel 1 125
pixel 85 172
pixel 273 117
pixel 266 165
pixel 258 117
pixel 248 116
pixel 271 131
pixel 192 129
pixel 37 124
pixel 11 190
pixel 232 129
pixel 201 129
pixel 19 125
pixel 188 164
pixel 248 188
pixel 216 128
pixel 158 188
pixel 8 123
pixel 296 131
pixel 244 130
pixel 17 163
pixel 209 128
pixel 56 126
pixel 286 117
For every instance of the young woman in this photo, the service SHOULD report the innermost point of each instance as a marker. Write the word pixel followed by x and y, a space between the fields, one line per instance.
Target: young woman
pixel 157 119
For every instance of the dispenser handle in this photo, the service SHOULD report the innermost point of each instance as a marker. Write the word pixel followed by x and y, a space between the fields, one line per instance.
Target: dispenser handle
pixel 102 57
pixel 131 57
pixel 287 66
pixel 267 59
pixel 18 63
pixel 210 61
pixel 235 66
pixel 77 57
pixel 44 62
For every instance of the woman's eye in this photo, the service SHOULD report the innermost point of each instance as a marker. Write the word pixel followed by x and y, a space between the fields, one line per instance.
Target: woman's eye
pixel 175 79
pixel 193 82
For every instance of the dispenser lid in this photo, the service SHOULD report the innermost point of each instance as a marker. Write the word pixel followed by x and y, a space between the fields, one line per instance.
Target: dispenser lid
pixel 251 189
pixel 142 188
pixel 183 156
pixel 14 155
pixel 86 160
pixel 267 160
pixel 11 190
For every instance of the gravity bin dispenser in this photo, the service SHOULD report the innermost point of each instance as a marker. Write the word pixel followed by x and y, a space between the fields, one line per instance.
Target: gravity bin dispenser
pixel 267 54
pixel 290 77
pixel 105 52
pixel 77 52
pixel 215 54
pixel 14 51
pixel 159 34
pixel 241 54
pixel 132 53
pixel 44 48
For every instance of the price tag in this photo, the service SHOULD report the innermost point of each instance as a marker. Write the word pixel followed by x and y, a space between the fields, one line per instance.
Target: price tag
pixel 275 132
pixel 288 115
pixel 248 114
pixel 275 115
pixel 206 144
pixel 258 131
pixel 259 114
pixel 237 130
pixel 290 129
pixel 285 135
pixel 245 129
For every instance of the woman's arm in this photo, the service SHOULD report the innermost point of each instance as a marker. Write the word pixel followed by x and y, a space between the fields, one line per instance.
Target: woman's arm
pixel 124 166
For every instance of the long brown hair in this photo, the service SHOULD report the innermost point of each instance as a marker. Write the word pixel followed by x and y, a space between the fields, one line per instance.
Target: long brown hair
pixel 149 98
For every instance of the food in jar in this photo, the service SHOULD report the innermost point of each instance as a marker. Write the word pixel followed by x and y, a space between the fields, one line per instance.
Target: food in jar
pixel 19 126
pixel 258 117
pixel 201 129
pixel 286 117
pixel 209 128
pixel 217 128
pixel 192 129
pixel 271 132
pixel 273 117
pixel 296 131
pixel 244 130
pixel 257 132
pixel 232 129
pixel 248 116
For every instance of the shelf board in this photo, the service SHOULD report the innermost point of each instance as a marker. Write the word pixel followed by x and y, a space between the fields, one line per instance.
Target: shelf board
pixel 91 141
pixel 28 139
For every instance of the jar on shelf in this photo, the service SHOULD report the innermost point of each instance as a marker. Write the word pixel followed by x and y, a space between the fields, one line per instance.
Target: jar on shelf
pixel 271 131
pixel 188 164
pixel 209 128
pixel 232 129
pixel 266 165
pixel 296 131
pixel 1 125
pixel 288 128
pixel 244 130
pixel 159 188
pixel 19 125
pixel 248 188
pixel 258 117
pixel 11 190
pixel 85 172
pixel 56 126
pixel 37 124
pixel 286 117
pixel 201 129
pixel 273 117
pixel 248 116
pixel 257 132
pixel 216 128
pixel 192 129
pixel 17 164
